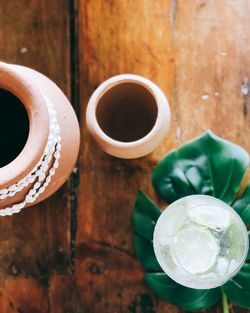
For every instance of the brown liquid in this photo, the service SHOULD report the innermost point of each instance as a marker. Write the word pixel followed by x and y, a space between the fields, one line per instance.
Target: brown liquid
pixel 14 127
pixel 127 112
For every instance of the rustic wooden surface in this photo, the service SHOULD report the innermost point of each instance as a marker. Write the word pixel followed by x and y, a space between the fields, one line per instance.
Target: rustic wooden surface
pixel 74 252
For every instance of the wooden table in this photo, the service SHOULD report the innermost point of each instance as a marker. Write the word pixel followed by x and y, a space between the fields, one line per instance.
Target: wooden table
pixel 74 252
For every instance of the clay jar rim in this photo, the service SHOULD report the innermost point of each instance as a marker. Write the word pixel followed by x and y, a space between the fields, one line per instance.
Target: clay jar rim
pixel 155 91
pixel 34 103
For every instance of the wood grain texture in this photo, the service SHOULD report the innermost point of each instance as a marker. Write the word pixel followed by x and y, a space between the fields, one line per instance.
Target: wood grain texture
pixel 71 255
pixel 35 244
pixel 197 52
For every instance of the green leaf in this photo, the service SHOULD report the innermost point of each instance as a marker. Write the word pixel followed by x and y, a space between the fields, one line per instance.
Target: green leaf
pixel 187 299
pixel 145 215
pixel 238 288
pixel 207 165
pixel 248 253
pixel 145 254
pixel 242 205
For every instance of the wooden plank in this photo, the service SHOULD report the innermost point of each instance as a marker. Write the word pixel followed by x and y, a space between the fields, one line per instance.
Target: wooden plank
pixel 35 244
pixel 212 65
pixel 197 52
pixel 186 47
pixel 117 37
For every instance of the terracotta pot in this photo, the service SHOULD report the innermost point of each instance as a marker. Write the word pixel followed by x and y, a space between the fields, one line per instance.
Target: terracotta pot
pixel 27 93
pixel 128 115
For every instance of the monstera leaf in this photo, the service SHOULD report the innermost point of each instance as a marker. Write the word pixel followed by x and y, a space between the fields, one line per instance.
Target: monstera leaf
pixel 238 288
pixel 206 165
pixel 242 205
pixel 144 219
pixel 186 298
pixel 146 213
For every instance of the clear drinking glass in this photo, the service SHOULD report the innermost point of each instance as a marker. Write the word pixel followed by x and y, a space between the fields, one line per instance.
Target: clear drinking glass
pixel 200 241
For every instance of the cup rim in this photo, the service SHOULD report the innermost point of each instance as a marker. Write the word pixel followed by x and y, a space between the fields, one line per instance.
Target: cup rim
pixel 110 83
pixel 160 221
pixel 20 85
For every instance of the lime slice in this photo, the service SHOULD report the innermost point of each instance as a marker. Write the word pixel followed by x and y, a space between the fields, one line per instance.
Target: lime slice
pixel 195 250
pixel 212 216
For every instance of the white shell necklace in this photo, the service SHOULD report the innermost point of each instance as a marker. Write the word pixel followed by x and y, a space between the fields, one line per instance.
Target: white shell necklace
pixel 41 174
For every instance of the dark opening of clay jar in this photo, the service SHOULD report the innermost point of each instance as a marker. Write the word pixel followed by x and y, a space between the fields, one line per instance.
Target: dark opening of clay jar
pixel 14 127
pixel 127 112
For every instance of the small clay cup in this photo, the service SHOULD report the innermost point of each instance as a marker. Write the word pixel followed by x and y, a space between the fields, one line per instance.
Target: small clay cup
pixel 128 115
pixel 30 88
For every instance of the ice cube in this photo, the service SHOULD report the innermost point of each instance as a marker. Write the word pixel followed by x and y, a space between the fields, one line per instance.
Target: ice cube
pixel 222 266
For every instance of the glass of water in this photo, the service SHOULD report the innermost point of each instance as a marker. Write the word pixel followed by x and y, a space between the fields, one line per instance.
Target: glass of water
pixel 200 241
